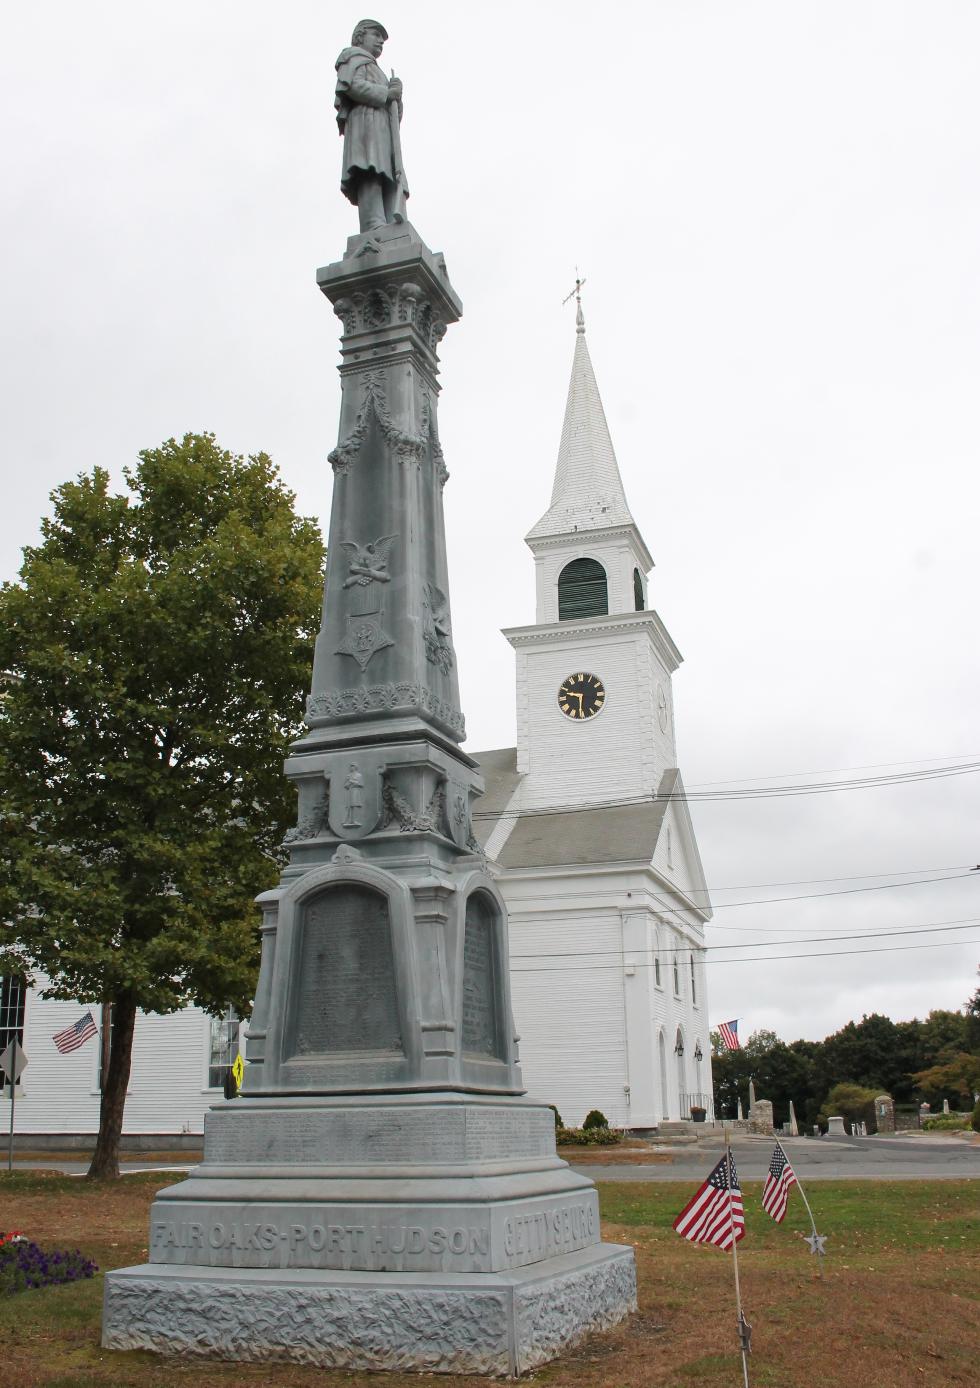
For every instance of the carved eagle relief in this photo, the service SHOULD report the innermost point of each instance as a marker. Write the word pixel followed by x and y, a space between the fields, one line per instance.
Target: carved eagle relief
pixel 368 563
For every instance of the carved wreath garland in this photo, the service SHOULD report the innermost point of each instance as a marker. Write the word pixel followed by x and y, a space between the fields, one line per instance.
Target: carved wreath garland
pixel 408 447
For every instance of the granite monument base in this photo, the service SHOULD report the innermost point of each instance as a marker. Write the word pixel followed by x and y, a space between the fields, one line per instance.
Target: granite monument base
pixel 495 1324
pixel 426 1231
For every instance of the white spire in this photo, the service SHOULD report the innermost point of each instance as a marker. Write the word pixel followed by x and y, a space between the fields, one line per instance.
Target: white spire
pixel 588 492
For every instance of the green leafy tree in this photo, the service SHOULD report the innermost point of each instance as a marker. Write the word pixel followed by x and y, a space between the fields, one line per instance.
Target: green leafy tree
pixel 158 642
pixel 853 1101
pixel 973 1023
pixel 956 1077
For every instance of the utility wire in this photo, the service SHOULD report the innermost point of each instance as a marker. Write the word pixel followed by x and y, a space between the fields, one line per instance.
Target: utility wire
pixel 753 959
pixel 750 793
pixel 837 770
pixel 752 944
pixel 764 901
pixel 843 891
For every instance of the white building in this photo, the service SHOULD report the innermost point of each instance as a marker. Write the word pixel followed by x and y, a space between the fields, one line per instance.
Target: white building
pixel 585 821
pixel 586 817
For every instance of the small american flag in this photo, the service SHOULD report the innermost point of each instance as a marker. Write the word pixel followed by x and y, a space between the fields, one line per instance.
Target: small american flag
pixel 729 1034
pixel 76 1035
pixel 711 1214
pixel 780 1180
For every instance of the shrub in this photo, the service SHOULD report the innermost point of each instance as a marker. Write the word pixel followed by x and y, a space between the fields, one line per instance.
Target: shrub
pixel 945 1123
pixel 23 1265
pixel 975 1120
pixel 558 1122
pixel 587 1137
pixel 595 1119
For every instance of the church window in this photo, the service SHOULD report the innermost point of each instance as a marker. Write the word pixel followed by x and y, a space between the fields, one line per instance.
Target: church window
pixel 694 986
pixel 223 1048
pixel 13 995
pixel 656 962
pixel 638 600
pixel 677 978
pixel 582 591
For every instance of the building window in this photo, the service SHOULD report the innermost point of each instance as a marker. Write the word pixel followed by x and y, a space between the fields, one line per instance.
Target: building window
pixel 582 591
pixel 677 978
pixel 13 995
pixel 223 1048
pixel 656 969
pixel 637 590
pixel 694 986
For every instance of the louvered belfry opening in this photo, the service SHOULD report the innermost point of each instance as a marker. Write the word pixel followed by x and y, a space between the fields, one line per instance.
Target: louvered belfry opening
pixel 638 590
pixel 582 590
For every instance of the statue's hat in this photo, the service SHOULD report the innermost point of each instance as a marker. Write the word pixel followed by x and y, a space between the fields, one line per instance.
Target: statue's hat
pixel 371 24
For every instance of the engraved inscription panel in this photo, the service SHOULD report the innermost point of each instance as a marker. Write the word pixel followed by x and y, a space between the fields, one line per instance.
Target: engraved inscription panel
pixel 345 997
pixel 480 1031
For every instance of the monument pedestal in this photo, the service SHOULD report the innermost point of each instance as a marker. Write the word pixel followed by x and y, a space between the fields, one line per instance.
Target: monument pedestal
pixel 435 1232
pixel 500 1324
pixel 383 1196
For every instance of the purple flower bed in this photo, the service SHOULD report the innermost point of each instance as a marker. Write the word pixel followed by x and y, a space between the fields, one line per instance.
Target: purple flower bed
pixel 24 1265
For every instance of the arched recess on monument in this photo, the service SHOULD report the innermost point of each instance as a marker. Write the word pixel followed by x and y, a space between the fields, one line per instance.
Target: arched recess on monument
pixel 679 1049
pixel 664 1092
pixel 484 1021
pixel 639 600
pixel 345 995
pixel 582 591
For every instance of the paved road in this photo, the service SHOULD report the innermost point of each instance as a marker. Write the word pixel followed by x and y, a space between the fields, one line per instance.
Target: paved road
pixel 816 1159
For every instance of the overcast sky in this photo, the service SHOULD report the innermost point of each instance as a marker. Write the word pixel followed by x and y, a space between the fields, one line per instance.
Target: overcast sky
pixel 777 209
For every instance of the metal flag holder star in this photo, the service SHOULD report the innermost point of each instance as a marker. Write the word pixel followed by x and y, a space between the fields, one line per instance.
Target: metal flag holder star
pixel 816 1241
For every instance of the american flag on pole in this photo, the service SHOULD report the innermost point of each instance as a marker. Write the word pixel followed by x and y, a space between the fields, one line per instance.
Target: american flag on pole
pixel 729 1034
pixel 780 1180
pixel 716 1209
pixel 76 1035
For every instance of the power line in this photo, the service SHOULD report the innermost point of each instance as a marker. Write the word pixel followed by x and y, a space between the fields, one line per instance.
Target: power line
pixel 765 901
pixel 843 891
pixel 754 959
pixel 836 770
pixel 825 787
pixel 750 793
pixel 967 924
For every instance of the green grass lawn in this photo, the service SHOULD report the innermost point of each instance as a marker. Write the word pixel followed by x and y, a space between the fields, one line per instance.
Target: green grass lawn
pixel 896 1301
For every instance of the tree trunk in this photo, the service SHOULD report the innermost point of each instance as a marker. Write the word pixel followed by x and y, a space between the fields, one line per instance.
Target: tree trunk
pixel 105 1159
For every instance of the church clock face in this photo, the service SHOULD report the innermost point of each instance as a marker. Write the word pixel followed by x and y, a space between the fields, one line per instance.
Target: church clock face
pixel 581 696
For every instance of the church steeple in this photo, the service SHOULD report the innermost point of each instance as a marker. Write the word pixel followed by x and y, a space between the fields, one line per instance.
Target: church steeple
pixel 590 556
pixel 588 490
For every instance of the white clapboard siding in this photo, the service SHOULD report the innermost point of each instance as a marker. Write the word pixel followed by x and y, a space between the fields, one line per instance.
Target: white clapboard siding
pixel 168 1084
pixel 569 1018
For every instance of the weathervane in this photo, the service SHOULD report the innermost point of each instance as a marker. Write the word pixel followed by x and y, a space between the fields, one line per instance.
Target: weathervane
pixel 576 294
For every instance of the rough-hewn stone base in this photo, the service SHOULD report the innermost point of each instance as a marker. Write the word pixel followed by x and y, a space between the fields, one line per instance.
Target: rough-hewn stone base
pixel 497 1323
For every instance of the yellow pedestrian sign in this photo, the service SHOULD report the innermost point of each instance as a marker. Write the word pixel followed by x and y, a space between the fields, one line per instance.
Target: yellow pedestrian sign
pixel 238 1070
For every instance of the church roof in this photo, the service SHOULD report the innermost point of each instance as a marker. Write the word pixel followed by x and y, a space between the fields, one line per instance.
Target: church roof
pixel 602 834
pixel 588 491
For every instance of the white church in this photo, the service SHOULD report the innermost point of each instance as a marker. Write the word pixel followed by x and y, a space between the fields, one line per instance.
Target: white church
pixel 584 821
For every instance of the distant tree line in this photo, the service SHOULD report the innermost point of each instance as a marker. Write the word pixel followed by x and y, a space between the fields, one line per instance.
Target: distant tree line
pixel 915 1062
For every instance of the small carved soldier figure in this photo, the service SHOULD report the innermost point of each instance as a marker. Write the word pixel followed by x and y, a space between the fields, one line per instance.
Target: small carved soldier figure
pixel 369 111
pixel 354 786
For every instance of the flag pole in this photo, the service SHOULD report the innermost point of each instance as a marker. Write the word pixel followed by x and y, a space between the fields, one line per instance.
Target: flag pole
pixel 13 1092
pixel 813 1223
pixel 743 1328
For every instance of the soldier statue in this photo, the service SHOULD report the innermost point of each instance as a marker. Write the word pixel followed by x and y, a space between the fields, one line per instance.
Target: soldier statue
pixel 369 112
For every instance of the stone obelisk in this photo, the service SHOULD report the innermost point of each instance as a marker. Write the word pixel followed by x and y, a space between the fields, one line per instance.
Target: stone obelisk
pixel 382 1196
